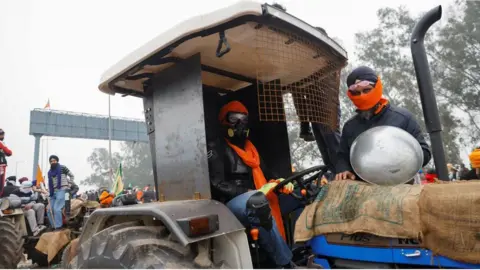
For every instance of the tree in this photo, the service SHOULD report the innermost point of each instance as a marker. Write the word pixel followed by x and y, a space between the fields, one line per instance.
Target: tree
pixel 456 54
pixel 101 172
pixel 136 161
pixel 386 49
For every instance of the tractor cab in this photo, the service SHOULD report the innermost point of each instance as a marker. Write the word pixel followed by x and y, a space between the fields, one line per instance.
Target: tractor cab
pixel 252 53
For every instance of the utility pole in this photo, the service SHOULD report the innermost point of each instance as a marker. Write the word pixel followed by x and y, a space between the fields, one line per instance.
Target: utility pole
pixel 110 139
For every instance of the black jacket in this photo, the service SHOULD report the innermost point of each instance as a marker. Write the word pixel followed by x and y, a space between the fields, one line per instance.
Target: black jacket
pixel 10 189
pixel 470 175
pixel 390 116
pixel 229 176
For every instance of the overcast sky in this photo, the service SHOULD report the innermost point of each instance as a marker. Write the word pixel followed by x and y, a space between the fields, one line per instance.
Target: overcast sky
pixel 57 50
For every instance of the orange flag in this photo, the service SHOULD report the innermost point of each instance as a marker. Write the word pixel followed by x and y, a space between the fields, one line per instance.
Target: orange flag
pixel 47 106
pixel 39 176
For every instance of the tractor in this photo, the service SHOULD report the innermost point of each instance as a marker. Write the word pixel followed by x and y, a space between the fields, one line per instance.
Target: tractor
pixel 17 237
pixel 259 55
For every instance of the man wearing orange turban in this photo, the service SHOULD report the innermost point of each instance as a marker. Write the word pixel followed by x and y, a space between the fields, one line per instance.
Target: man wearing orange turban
pixel 241 181
pixel 365 90
pixel 474 173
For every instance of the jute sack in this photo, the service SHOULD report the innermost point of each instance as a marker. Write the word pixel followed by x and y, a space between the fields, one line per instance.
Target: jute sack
pixel 352 206
pixel 450 216
pixel 51 243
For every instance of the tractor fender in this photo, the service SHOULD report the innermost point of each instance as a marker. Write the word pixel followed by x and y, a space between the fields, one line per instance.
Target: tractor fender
pixel 168 213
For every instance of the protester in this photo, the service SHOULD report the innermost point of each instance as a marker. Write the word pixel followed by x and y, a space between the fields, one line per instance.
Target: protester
pixel 4 153
pixel 59 180
pixel 238 175
pixel 463 171
pixel 365 91
pixel 10 186
pixel 34 212
pixel 105 198
pixel 452 172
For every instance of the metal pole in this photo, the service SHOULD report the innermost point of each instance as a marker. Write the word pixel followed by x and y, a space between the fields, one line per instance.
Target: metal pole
pixel 42 153
pixel 47 153
pixel 110 139
pixel 36 153
pixel 427 93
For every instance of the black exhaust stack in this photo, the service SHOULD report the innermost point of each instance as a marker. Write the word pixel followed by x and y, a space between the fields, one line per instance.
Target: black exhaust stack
pixel 427 95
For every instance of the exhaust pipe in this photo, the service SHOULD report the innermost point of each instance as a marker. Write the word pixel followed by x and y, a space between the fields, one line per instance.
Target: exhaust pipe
pixel 427 94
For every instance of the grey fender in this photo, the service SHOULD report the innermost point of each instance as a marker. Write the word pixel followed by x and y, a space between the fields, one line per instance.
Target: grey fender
pixel 168 213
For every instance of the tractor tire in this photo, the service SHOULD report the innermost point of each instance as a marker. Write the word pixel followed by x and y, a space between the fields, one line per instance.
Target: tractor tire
pixel 65 263
pixel 11 245
pixel 125 246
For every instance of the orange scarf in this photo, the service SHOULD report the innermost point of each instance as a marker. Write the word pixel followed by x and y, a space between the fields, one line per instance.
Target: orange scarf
pixel 251 158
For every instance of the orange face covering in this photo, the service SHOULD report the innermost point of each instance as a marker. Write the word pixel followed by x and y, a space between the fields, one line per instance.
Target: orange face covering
pixel 251 158
pixel 475 158
pixel 367 101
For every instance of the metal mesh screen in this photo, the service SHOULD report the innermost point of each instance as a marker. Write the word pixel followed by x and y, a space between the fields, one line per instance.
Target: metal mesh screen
pixel 309 72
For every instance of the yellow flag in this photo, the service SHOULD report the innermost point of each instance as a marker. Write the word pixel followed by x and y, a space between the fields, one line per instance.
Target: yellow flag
pixel 118 183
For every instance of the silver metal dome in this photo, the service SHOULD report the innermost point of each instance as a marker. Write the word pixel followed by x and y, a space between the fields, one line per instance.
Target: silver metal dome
pixel 386 155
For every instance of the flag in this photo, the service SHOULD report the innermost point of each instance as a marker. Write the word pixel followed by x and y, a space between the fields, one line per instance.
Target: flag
pixel 118 182
pixel 47 106
pixel 39 177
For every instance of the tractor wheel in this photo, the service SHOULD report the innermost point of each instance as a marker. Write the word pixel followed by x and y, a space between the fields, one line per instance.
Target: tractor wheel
pixel 67 262
pixel 11 245
pixel 133 247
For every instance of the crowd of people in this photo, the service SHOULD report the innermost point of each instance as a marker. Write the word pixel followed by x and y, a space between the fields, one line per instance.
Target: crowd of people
pixel 36 200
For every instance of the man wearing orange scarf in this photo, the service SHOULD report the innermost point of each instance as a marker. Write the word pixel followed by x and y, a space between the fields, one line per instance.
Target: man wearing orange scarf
pixel 365 90
pixel 474 173
pixel 241 180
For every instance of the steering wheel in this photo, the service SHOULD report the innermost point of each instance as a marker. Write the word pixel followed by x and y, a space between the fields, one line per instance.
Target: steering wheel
pixel 308 190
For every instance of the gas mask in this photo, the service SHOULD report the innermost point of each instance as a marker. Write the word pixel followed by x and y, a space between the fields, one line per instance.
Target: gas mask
pixel 236 125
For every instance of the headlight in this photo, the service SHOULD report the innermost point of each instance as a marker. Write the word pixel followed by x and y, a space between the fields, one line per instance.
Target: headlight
pixel 4 204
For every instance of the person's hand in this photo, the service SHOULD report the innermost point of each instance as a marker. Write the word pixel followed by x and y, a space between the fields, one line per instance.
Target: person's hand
pixel 287 189
pixel 346 175
pixel 323 182
pixel 28 207
pixel 268 187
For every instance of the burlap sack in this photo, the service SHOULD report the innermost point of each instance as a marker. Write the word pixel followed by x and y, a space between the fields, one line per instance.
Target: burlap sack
pixel 51 243
pixel 353 206
pixel 450 217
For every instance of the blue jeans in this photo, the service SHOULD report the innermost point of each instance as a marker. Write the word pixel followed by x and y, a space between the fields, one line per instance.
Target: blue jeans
pixel 57 202
pixel 270 241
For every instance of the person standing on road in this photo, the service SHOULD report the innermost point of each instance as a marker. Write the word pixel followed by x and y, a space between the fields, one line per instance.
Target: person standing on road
pixel 4 153
pixel 59 180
